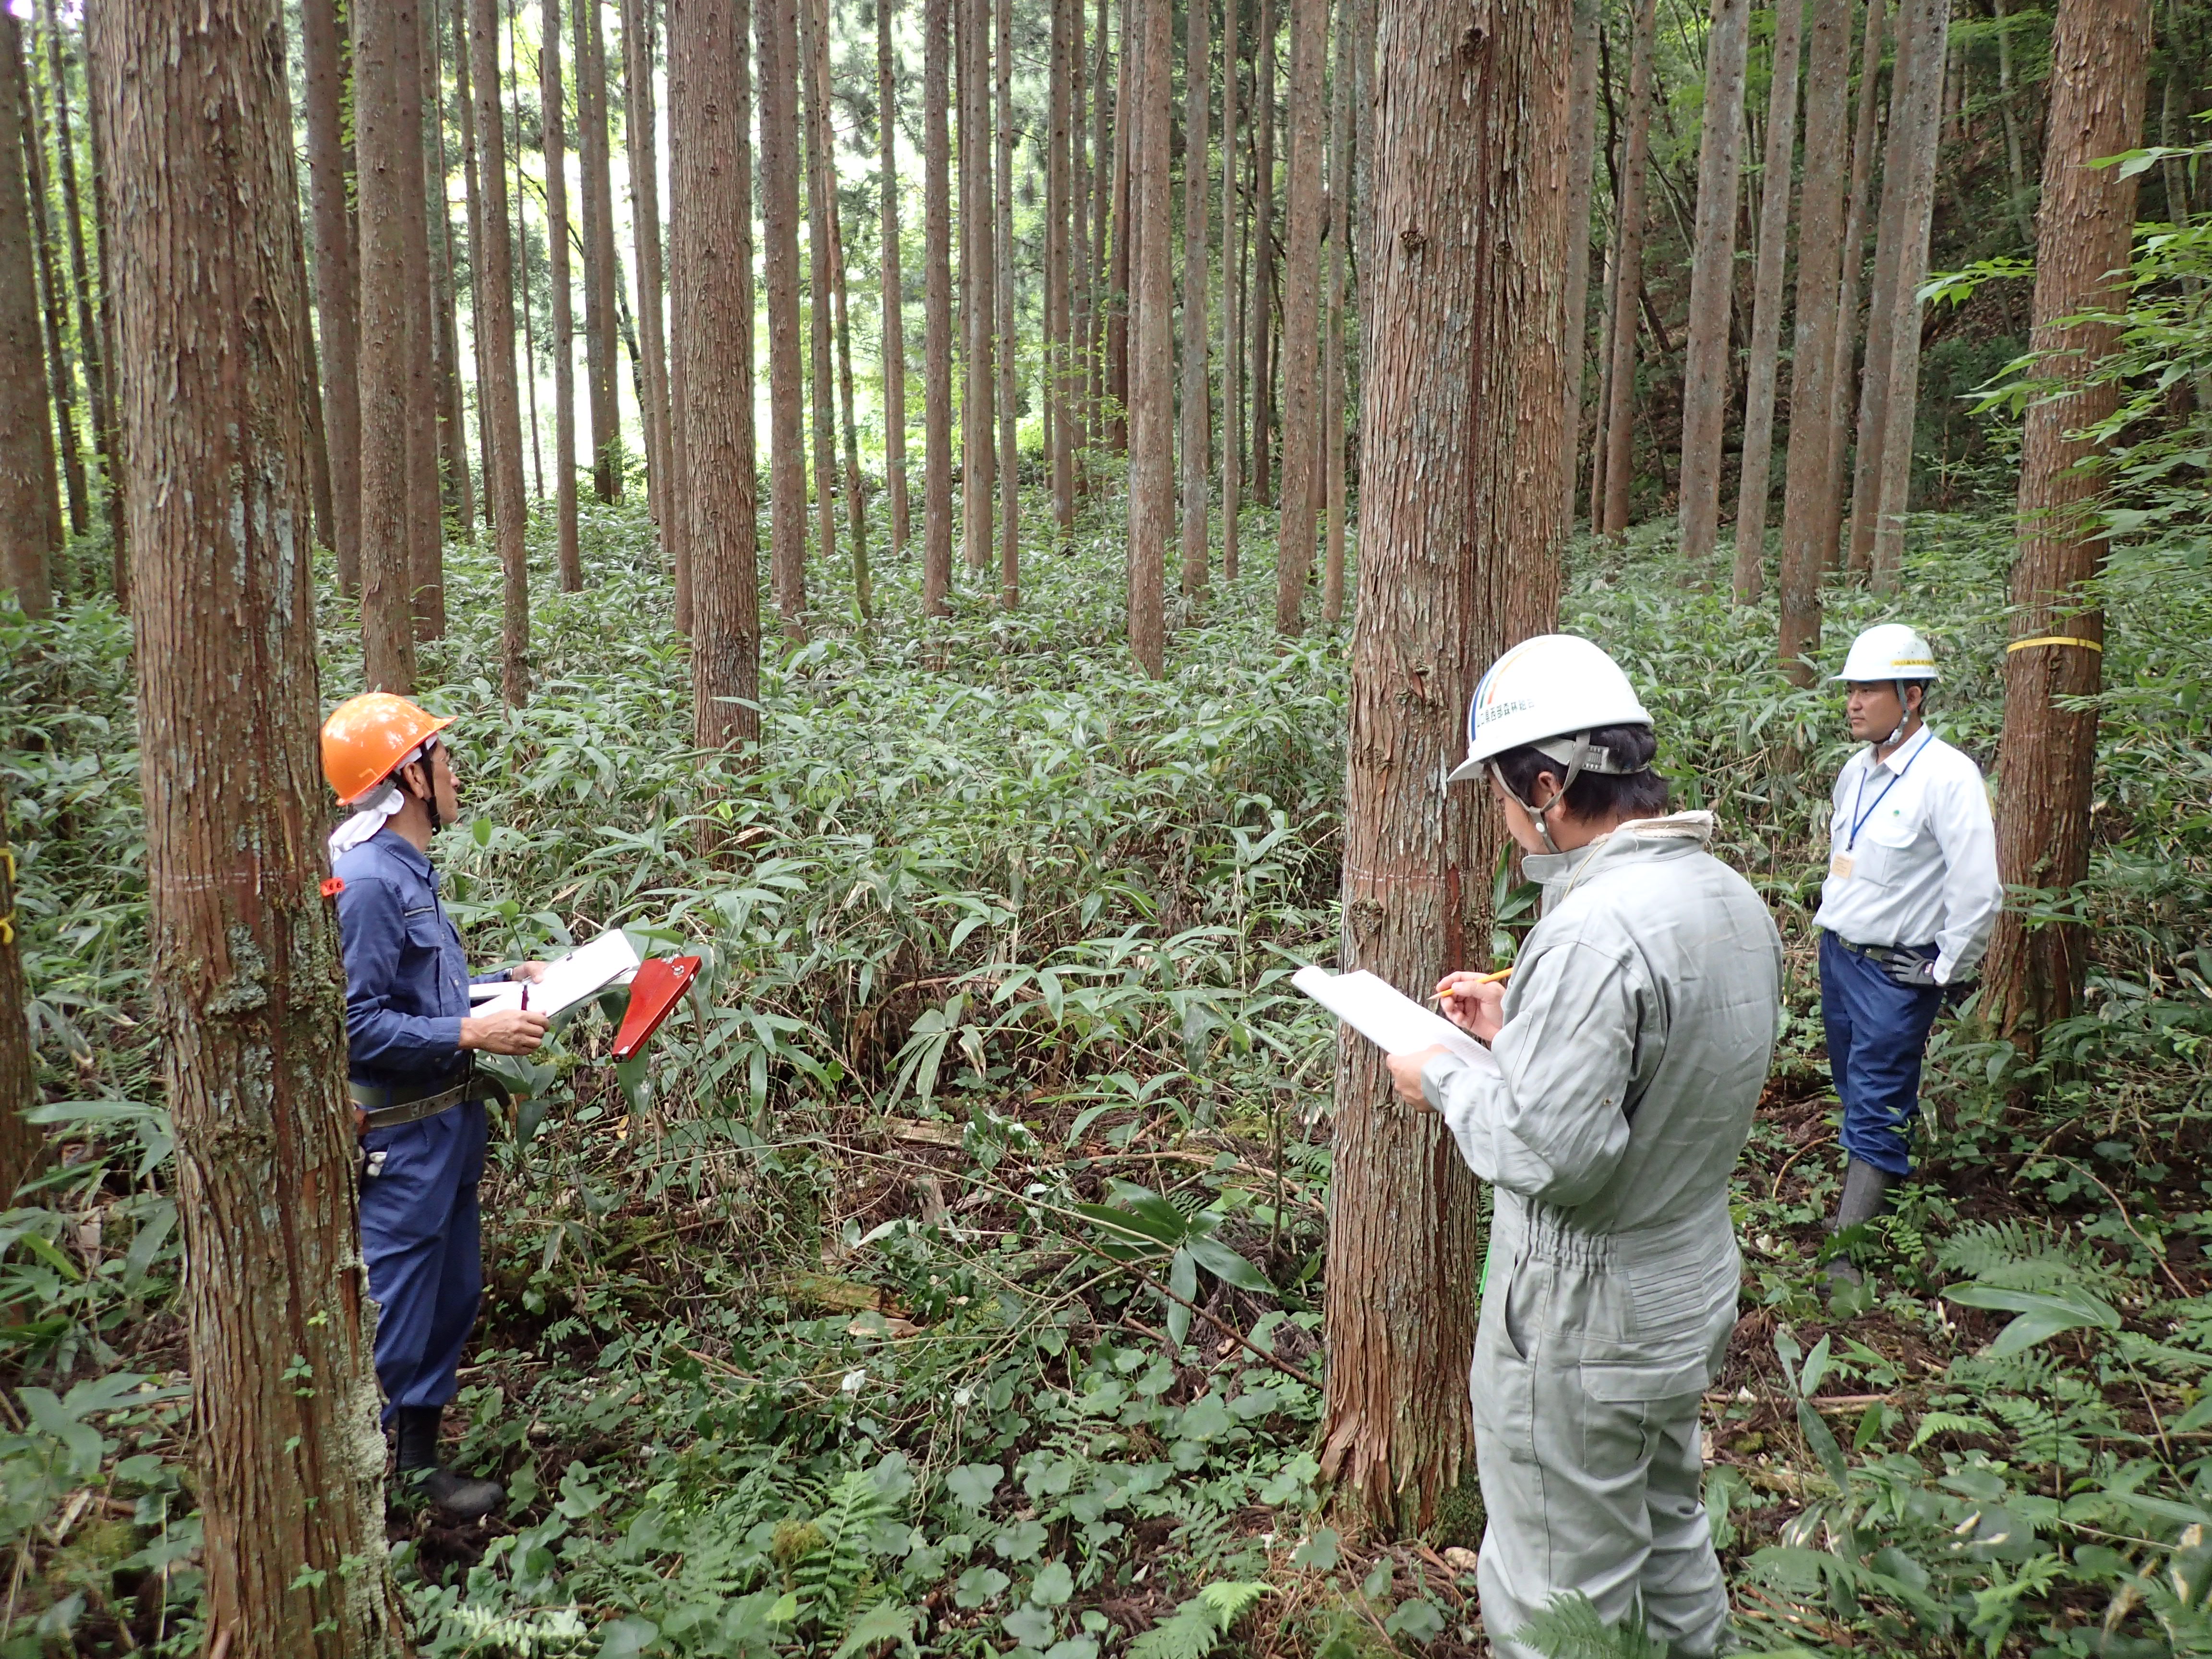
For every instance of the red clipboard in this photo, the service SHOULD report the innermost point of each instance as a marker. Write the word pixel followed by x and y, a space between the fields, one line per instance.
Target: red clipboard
pixel 661 984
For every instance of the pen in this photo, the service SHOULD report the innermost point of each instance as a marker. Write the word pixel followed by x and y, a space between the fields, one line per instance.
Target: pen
pixel 525 996
pixel 1479 979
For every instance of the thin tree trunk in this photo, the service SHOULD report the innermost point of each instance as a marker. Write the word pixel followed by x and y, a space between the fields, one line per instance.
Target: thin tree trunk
pixel 1581 150
pixel 498 406
pixel 1808 506
pixel 2015 167
pixel 522 281
pixel 1628 275
pixel 1197 70
pixel 562 326
pixel 1882 303
pixel 1294 540
pixel 813 80
pixel 386 176
pixel 937 311
pixel 426 525
pixel 710 113
pixel 472 188
pixel 1333 320
pixel 1840 386
pixel 1105 173
pixel 2053 668
pixel 1232 300
pixel 1006 336
pixel 1756 484
pixel 1115 398
pixel 61 378
pixel 22 1144
pixel 457 493
pixel 1706 376
pixel 777 32
pixel 103 221
pixel 30 496
pixel 893 298
pixel 1152 351
pixel 601 344
pixel 641 142
pixel 856 506
pixel 978 302
pixel 1059 379
pixel 1259 317
pixel 1922 131
pixel 1082 284
pixel 244 952
pixel 1461 526
pixel 87 334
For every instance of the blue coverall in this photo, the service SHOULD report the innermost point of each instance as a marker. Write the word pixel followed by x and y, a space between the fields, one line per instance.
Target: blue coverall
pixel 406 992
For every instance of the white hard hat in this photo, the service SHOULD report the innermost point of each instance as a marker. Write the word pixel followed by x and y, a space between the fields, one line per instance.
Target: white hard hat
pixel 1555 685
pixel 1890 651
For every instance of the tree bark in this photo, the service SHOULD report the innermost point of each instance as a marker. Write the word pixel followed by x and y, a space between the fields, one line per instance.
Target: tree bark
pixel 499 406
pixel 709 114
pixel 103 220
pixel 937 311
pixel 601 346
pixel 1060 401
pixel 814 84
pixel 1582 148
pixel 1461 527
pixel 1082 284
pixel 777 30
pixel 457 490
pixel 856 509
pixel 1152 350
pixel 1756 484
pixel 1294 539
pixel 1261 318
pixel 386 175
pixel 641 142
pixel 426 526
pixel 2098 51
pixel 894 293
pixel 87 334
pixel 1105 173
pixel 978 456
pixel 1115 398
pixel 1232 298
pixel 337 288
pixel 1919 125
pixel 1840 385
pixel 1706 376
pixel 2015 167
pixel 1197 71
pixel 1628 275
pixel 1809 504
pixel 30 495
pixel 1006 337
pixel 61 377
pixel 21 1145
pixel 472 188
pixel 562 324
pixel 1332 313
pixel 248 992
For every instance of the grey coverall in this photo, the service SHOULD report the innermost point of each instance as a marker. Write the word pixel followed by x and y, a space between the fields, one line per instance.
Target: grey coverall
pixel 1637 1028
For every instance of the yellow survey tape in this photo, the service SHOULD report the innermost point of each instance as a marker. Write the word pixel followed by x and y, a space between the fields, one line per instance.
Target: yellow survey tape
pixel 2054 639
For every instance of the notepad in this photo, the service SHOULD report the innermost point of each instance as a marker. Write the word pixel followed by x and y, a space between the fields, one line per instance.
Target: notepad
pixel 576 977
pixel 1390 1020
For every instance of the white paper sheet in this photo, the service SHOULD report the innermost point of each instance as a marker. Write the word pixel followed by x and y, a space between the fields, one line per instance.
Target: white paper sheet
pixel 576 977
pixel 1391 1021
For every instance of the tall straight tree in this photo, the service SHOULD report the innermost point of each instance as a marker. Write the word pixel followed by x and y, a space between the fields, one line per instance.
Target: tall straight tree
pixel 426 521
pixel 1881 308
pixel 456 489
pixel 1259 320
pixel 30 496
pixel 1706 370
pixel 1844 381
pixel 1081 294
pixel 709 115
pixel 1105 204
pixel 248 994
pixel 1809 503
pixel 601 368
pixel 856 505
pixel 90 355
pixel 1332 317
pixel 387 159
pixel 894 292
pixel 1232 298
pixel 1462 459
pixel 1294 540
pixel 642 142
pixel 1197 91
pixel 2053 667
pixel 1756 483
pixel 21 1141
pixel 1060 380
pixel 675 529
pixel 937 311
pixel 1114 385
pixel 498 403
pixel 978 456
pixel 1582 149
pixel 61 374
pixel 814 84
pixel 1918 121
pixel 472 184
pixel 103 220
pixel 1152 353
pixel 1619 426
pixel 562 324
pixel 776 32
pixel 1002 310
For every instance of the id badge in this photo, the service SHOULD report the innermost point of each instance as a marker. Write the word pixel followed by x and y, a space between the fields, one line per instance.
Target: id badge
pixel 1839 867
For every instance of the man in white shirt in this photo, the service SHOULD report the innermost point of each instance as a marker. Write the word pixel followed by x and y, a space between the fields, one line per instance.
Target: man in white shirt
pixel 1910 897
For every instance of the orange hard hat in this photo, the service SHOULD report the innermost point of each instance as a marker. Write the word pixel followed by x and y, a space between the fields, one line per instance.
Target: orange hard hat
pixel 367 737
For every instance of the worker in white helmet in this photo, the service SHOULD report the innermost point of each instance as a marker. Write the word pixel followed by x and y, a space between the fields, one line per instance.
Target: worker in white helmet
pixel 1632 1046
pixel 1906 910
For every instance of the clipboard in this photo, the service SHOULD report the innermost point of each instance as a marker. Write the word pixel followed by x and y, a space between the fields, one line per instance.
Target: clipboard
pixel 661 984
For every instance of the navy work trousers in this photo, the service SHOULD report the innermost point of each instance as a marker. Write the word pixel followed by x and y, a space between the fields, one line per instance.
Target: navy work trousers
pixel 1877 1032
pixel 420 1233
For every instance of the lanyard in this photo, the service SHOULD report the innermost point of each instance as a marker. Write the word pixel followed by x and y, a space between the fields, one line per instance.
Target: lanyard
pixel 1858 823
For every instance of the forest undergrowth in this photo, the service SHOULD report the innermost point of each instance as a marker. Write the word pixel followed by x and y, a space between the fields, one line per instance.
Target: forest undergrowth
pixel 947 1278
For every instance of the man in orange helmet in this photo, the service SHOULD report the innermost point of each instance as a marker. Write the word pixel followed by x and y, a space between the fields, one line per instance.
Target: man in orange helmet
pixel 417 1098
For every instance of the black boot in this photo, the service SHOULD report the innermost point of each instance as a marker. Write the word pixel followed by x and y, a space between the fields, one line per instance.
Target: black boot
pixel 1866 1195
pixel 421 1473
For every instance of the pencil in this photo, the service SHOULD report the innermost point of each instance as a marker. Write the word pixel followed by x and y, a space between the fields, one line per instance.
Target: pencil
pixel 1482 979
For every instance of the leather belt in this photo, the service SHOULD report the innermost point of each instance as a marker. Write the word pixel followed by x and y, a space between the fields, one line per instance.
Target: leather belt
pixel 374 1105
pixel 1887 952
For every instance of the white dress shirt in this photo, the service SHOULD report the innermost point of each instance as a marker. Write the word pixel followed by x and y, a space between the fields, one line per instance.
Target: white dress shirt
pixel 1912 854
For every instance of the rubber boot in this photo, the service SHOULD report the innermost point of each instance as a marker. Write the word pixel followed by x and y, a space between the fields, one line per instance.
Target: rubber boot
pixel 1866 1195
pixel 421 1473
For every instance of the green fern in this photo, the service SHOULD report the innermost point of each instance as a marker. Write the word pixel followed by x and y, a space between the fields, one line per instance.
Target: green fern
pixel 1198 1625
pixel 2018 1257
pixel 885 1622
pixel 827 1557
pixel 1571 1628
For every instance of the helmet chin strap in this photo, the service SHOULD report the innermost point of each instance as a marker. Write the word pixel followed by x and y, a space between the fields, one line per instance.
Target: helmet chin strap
pixel 1540 815
pixel 429 796
pixel 1904 715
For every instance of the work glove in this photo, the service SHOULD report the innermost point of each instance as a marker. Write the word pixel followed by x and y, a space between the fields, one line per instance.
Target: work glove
pixel 1918 973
